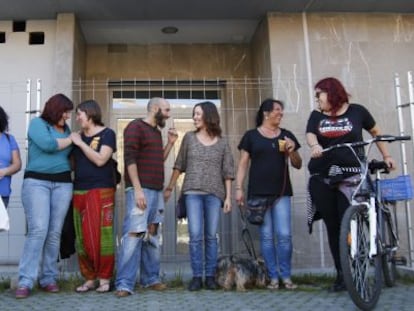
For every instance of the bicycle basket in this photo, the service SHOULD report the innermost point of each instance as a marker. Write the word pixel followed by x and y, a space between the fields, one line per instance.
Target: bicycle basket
pixel 397 189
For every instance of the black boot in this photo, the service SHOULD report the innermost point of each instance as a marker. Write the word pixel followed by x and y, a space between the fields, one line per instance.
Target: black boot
pixel 210 283
pixel 339 284
pixel 195 284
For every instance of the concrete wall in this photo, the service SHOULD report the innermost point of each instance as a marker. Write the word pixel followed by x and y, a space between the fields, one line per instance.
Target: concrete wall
pixel 19 62
pixel 53 64
pixel 79 65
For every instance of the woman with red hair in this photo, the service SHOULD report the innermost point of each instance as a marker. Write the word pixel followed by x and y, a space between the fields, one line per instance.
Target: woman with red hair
pixel 335 121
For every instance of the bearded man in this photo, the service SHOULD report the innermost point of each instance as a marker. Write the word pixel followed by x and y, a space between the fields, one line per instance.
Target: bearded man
pixel 144 157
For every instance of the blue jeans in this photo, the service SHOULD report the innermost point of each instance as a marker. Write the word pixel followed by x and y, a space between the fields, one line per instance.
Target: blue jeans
pixel 276 239
pixel 203 211
pixel 134 252
pixel 45 204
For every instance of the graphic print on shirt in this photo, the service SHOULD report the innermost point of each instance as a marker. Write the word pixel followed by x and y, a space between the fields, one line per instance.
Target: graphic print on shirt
pixel 95 143
pixel 333 128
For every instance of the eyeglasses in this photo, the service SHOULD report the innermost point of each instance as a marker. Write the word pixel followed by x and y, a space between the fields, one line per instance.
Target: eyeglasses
pixel 318 93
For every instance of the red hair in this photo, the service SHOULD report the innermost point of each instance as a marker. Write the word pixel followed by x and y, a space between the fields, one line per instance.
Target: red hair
pixel 55 107
pixel 337 95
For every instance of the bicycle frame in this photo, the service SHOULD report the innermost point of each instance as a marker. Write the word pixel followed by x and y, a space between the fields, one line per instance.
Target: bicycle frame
pixel 365 189
pixel 361 238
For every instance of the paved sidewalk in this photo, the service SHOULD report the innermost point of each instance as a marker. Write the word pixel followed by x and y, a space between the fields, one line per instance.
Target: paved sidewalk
pixel 307 298
pixel 399 298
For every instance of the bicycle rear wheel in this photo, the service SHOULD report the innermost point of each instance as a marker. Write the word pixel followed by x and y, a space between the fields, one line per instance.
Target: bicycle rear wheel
pixel 389 244
pixel 362 274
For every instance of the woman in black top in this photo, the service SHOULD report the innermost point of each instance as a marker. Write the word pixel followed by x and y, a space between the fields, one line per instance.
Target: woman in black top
pixel 268 148
pixel 335 121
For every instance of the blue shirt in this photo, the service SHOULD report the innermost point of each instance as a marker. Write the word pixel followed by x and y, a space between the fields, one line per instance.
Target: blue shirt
pixel 7 146
pixel 43 154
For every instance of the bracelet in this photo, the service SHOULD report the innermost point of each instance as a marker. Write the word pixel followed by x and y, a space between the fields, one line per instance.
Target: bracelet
pixel 168 188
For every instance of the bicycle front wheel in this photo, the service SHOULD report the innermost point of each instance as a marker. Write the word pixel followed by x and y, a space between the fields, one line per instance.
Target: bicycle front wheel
pixel 362 274
pixel 389 244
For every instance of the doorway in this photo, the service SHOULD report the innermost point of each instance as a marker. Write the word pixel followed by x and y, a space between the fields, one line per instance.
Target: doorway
pixel 174 237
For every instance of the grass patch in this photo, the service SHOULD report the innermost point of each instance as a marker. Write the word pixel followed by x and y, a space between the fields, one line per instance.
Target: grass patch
pixel 4 284
pixel 70 282
pixel 307 282
pixel 177 281
pixel 313 282
pixel 405 278
pixel 314 279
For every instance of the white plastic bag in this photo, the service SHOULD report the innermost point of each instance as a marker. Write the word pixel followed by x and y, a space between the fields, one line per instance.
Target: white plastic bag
pixel 4 217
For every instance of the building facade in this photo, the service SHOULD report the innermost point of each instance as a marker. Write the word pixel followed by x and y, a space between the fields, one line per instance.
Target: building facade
pixel 286 54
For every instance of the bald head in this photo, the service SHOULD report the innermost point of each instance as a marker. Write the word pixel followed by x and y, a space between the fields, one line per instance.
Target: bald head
pixel 155 103
pixel 159 110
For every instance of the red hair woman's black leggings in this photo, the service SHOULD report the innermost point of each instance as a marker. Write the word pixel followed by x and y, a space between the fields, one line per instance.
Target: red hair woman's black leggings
pixel 331 204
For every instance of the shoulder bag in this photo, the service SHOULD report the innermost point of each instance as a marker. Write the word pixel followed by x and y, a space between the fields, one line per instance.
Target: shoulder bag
pixel 180 208
pixel 257 205
pixel 4 217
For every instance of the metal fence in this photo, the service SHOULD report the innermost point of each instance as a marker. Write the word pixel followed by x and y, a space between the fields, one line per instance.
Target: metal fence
pixel 239 100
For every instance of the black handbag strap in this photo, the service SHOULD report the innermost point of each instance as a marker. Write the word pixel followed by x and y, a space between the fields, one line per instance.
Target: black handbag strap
pixel 246 236
pixel 272 200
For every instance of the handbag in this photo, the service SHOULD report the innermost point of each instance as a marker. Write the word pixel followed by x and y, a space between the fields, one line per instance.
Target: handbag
pixel 180 208
pixel 257 206
pixel 4 217
pixel 256 209
pixel 115 173
pixel 68 235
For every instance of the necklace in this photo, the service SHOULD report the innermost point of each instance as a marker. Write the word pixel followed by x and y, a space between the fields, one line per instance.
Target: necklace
pixel 269 129
pixel 270 133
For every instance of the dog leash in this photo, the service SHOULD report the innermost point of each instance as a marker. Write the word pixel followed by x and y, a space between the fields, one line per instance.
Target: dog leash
pixel 246 236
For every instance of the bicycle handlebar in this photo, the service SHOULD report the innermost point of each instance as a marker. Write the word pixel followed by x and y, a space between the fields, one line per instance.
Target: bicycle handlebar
pixel 385 138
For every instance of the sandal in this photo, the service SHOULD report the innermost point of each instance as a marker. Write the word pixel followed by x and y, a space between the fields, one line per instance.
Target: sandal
pixel 85 287
pixel 273 285
pixel 104 287
pixel 288 284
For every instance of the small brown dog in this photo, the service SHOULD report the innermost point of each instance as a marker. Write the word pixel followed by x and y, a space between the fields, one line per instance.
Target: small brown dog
pixel 240 272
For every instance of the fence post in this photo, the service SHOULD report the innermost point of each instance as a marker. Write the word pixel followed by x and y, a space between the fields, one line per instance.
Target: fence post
pixel 400 106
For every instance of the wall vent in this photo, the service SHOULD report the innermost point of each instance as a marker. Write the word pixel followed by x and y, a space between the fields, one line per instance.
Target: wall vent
pixel 37 38
pixel 19 26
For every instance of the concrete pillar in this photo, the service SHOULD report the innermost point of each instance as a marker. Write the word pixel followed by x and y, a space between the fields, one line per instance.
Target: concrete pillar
pixel 64 53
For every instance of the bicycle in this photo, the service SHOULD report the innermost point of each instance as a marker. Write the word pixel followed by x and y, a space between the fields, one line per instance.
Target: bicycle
pixel 368 235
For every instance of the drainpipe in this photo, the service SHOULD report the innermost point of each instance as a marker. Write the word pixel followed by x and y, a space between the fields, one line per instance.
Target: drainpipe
pixel 311 107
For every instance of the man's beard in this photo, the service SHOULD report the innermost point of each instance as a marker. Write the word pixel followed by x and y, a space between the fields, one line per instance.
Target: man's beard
pixel 159 119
